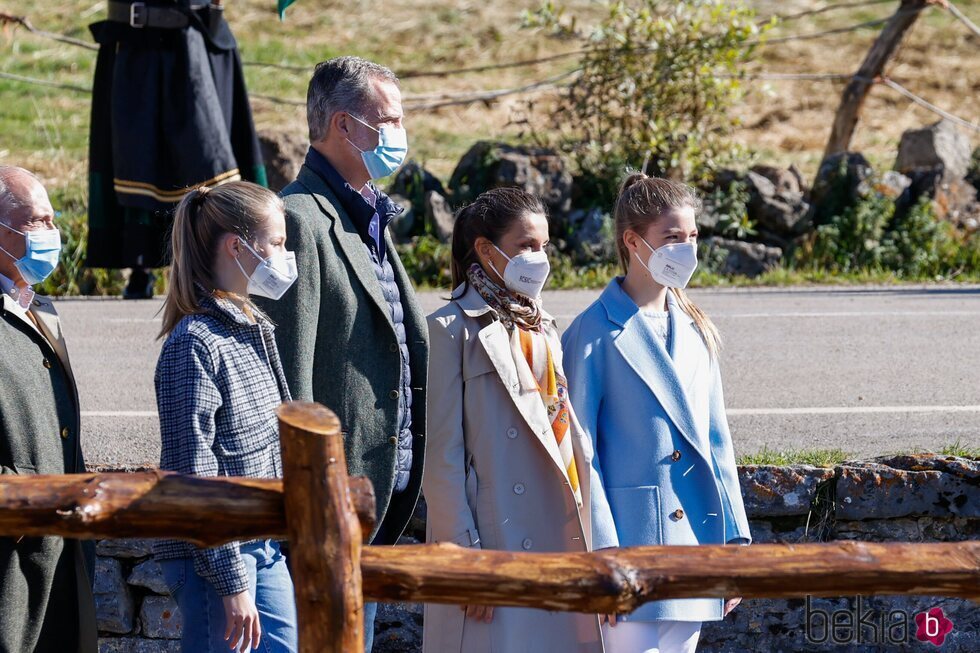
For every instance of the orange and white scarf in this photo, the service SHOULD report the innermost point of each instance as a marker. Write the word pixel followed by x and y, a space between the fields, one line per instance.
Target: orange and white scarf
pixel 553 388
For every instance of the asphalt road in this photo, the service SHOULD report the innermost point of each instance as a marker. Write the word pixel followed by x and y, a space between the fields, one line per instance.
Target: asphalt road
pixel 867 370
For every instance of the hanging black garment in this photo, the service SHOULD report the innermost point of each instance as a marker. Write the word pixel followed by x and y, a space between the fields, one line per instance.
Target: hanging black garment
pixel 169 113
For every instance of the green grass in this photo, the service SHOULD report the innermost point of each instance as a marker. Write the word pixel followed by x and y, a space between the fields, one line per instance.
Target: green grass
pixel 962 450
pixel 814 457
pixel 832 457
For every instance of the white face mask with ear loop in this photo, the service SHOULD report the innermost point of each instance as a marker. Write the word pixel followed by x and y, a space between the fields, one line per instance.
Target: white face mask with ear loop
pixel 273 276
pixel 526 273
pixel 672 265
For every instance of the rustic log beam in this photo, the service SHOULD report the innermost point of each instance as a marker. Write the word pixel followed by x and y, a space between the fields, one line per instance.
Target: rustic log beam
pixel 324 532
pixel 204 510
pixel 621 580
pixel 852 100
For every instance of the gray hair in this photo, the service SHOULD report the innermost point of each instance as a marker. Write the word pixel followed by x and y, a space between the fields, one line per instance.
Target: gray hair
pixel 8 199
pixel 341 84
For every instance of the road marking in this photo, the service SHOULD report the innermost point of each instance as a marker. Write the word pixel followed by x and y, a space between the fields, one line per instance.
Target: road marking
pixel 853 410
pixel 119 413
pixel 132 320
pixel 812 410
pixel 923 313
pixel 847 314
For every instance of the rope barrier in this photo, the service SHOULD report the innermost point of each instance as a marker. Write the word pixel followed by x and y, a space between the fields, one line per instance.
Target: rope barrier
pixel 953 9
pixel 898 88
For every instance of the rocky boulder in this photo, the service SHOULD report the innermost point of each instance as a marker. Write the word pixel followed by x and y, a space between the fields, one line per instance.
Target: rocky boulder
pixel 841 181
pixel 738 257
pixel 776 202
pixel 940 145
pixel 439 215
pixel 283 153
pixel 590 236
pixel 539 171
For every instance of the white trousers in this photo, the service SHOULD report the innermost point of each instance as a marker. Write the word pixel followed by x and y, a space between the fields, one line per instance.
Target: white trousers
pixel 652 636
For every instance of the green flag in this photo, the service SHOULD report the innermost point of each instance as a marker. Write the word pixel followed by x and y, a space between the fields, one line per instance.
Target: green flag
pixel 282 8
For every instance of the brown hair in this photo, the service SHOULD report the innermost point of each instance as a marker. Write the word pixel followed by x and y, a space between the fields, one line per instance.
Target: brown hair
pixel 642 200
pixel 201 219
pixel 490 215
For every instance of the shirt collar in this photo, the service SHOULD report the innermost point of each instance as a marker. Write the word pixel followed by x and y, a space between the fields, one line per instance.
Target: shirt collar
pixel 369 208
pixel 21 296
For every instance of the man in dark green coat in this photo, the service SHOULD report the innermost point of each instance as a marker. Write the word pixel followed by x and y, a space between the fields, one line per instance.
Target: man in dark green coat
pixel 350 331
pixel 46 603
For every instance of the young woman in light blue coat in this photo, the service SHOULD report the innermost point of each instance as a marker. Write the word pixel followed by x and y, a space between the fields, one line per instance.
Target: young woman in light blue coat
pixel 642 366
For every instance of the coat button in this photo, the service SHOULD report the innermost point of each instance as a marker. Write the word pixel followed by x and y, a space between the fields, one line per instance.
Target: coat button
pixel 526 544
pixel 46 363
pixel 393 347
pixel 393 440
pixel 65 432
pixel 393 394
pixel 519 488
pixel 675 456
pixel 679 514
pixel 512 433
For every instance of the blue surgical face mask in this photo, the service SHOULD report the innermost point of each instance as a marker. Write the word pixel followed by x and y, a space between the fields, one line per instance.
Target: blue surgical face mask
pixel 41 256
pixel 388 155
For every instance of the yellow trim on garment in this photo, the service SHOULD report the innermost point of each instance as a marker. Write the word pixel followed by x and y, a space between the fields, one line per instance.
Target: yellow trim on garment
pixel 127 187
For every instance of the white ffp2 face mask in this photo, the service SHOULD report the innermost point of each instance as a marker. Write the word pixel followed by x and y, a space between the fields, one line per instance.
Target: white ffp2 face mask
pixel 672 265
pixel 526 273
pixel 273 276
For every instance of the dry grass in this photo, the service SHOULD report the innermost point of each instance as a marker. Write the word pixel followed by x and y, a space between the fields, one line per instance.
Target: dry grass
pixel 783 121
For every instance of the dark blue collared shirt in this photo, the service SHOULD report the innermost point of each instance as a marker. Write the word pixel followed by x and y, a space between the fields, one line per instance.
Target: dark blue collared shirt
pixel 371 218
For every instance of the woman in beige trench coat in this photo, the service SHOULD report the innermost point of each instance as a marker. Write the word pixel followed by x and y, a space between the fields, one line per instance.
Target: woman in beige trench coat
pixel 506 467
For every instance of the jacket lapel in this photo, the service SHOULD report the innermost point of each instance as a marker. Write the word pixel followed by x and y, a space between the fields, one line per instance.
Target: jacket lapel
pixel 50 327
pixel 645 354
pixel 10 307
pixel 496 343
pixel 347 237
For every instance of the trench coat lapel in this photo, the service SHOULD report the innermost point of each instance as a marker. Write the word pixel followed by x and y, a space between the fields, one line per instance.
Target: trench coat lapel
pixel 347 237
pixel 496 343
pixel 645 354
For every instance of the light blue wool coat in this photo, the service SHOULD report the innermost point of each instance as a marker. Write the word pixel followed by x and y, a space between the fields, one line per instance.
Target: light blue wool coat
pixel 660 434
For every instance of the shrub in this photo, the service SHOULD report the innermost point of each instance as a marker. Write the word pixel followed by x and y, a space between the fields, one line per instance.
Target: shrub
pixel 657 84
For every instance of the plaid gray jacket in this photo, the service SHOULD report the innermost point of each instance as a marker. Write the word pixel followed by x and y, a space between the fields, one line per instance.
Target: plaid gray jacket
pixel 218 382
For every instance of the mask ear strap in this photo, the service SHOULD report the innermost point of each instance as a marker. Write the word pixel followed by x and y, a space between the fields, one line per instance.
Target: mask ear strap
pixel 502 254
pixel 364 123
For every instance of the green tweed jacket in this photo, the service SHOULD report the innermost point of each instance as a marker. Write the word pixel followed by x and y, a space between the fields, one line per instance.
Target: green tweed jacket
pixel 339 348
pixel 46 603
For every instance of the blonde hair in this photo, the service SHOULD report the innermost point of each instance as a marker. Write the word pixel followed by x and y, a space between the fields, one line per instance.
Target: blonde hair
pixel 200 220
pixel 641 202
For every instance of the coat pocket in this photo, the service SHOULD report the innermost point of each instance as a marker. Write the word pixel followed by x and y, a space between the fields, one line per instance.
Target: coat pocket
pixel 637 514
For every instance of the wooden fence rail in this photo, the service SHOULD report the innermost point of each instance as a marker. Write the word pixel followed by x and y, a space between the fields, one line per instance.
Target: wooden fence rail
pixel 326 515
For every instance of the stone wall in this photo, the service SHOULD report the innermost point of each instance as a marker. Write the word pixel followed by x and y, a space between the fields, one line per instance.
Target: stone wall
pixel 916 498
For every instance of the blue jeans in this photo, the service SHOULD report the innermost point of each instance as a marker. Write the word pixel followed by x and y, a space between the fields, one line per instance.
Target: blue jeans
pixel 203 613
pixel 370 612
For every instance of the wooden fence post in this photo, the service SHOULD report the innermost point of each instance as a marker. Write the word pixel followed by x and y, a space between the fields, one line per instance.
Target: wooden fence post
pixel 324 532
pixel 846 118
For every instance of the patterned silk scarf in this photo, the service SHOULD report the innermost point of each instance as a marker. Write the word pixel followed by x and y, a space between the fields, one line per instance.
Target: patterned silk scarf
pixel 512 308
pixel 535 364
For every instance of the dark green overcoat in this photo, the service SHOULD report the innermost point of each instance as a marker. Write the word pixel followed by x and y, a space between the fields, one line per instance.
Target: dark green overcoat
pixel 339 347
pixel 46 603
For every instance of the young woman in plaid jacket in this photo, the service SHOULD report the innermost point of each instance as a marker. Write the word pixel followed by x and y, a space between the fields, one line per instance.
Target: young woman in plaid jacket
pixel 218 382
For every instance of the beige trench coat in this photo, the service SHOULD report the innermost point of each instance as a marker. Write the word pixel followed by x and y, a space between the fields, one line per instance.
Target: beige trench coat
pixel 494 479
